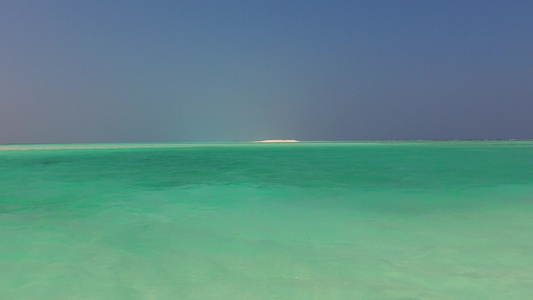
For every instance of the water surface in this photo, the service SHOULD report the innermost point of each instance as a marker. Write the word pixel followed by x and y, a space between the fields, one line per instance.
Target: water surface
pixel 384 220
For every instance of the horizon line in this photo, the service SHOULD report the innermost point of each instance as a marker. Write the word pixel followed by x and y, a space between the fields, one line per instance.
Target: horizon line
pixel 112 145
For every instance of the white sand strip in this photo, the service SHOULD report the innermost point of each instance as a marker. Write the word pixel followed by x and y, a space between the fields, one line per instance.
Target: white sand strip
pixel 278 141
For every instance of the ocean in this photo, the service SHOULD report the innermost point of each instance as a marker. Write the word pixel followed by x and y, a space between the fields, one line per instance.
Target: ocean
pixel 352 220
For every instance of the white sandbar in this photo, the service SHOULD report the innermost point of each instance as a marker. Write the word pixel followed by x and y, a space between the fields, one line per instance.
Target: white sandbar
pixel 277 141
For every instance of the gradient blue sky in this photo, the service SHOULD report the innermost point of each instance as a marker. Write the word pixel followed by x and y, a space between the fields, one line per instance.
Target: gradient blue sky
pixel 178 71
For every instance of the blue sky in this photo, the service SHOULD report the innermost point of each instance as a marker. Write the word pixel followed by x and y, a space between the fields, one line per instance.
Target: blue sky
pixel 178 71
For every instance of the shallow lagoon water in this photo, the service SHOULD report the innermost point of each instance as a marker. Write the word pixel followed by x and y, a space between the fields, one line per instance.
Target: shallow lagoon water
pixel 384 220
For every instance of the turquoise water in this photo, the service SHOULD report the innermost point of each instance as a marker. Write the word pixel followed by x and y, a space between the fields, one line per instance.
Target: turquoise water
pixel 405 220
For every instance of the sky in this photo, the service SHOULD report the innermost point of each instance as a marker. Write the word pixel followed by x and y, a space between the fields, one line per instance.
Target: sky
pixel 114 71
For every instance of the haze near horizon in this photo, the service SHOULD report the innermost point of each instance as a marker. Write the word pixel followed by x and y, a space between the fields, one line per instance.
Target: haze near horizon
pixel 194 71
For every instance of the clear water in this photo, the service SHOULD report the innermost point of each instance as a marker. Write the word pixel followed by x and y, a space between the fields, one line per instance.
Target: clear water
pixel 417 220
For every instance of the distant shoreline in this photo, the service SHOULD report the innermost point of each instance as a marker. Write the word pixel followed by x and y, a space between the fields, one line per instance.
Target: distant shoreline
pixel 277 141
pixel 78 146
